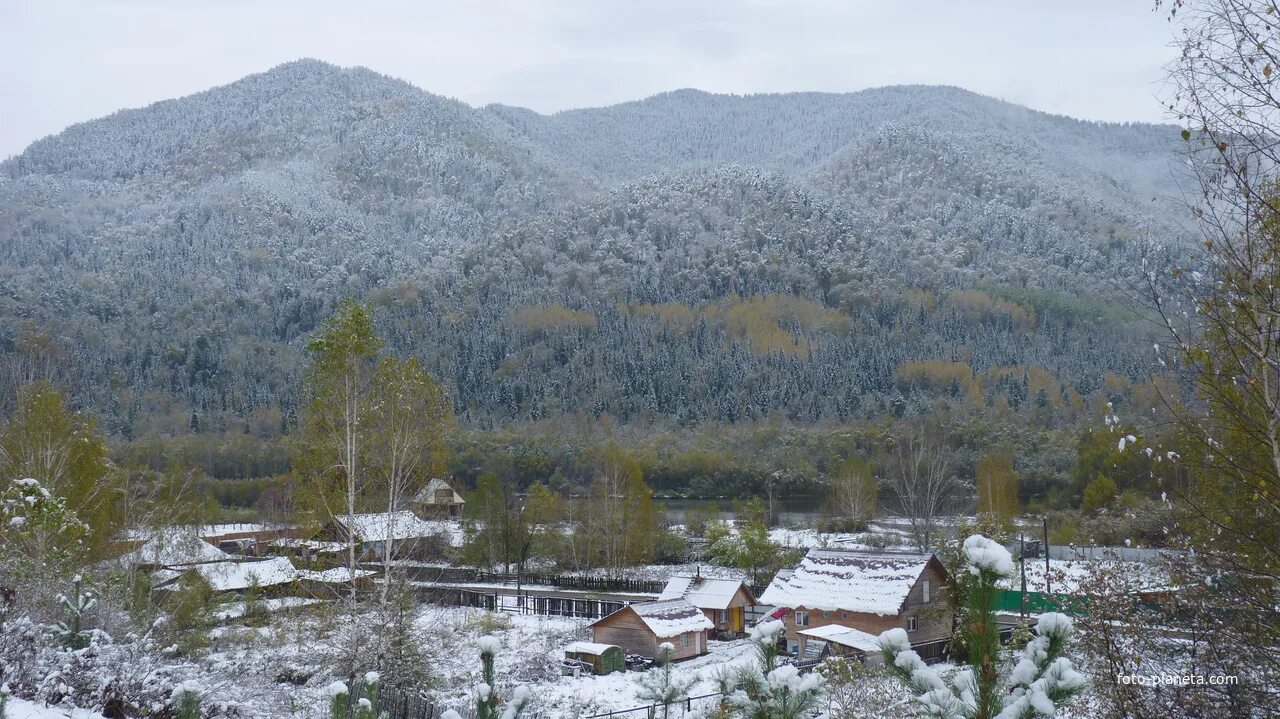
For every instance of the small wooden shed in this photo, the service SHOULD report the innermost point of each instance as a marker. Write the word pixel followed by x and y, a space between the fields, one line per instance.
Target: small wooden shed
pixel 641 628
pixel 601 658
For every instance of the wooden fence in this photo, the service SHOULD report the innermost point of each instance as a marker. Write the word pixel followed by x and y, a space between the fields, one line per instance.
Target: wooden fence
pixel 681 708
pixel 464 575
pixel 577 608
pixel 574 581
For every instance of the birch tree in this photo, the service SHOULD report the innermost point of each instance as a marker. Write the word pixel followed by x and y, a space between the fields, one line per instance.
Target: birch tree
pixel 330 448
pixel 921 478
pixel 408 416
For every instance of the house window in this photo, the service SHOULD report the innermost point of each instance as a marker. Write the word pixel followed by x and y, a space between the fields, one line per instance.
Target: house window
pixel 684 641
pixel 722 616
pixel 844 615
pixel 802 619
pixel 911 624
pixel 826 614
pixel 926 591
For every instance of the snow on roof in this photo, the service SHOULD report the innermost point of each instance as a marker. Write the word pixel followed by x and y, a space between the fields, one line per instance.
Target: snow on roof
pixel 702 592
pixel 337 575
pixel 591 648
pixel 172 545
pixel 231 576
pixel 221 530
pixel 383 525
pixel 844 636
pixel 428 493
pixel 313 544
pixel 1068 576
pixel 669 618
pixel 831 579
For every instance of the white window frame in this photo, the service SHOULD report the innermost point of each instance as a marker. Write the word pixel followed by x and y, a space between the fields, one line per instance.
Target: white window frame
pixel 684 640
pixel 912 624
pixel 928 597
pixel 802 618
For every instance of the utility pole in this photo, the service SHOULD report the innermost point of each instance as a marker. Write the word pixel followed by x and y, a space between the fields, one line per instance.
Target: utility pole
pixel 1048 588
pixel 1022 562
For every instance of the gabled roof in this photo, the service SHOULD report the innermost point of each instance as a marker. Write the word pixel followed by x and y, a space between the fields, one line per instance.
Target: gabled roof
pixel 854 581
pixel 669 618
pixel 172 545
pixel 428 493
pixel 236 575
pixel 380 526
pixel 704 592
pixel 844 636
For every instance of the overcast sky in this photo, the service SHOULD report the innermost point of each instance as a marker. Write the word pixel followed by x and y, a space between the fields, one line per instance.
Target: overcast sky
pixel 65 62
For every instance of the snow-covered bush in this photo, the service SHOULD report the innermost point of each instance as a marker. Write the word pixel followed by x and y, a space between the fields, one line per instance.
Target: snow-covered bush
pixel 487 700
pixel 770 690
pixel 661 685
pixel 128 677
pixel 1036 685
pixel 42 540
pixel 338 699
pixel 76 606
pixel 186 700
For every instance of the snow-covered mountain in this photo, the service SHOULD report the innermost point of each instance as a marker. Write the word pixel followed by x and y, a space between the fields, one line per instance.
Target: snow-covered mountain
pixel 187 247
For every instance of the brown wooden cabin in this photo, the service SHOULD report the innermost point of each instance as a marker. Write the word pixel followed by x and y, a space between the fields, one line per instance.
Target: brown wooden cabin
pixel 641 628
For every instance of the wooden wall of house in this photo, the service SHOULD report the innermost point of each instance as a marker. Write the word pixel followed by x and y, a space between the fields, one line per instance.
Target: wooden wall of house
pixel 685 652
pixel 626 629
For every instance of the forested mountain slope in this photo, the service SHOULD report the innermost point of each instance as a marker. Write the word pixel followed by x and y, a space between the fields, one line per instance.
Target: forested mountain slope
pixel 687 258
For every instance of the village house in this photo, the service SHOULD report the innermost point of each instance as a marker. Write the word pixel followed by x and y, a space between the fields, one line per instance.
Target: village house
pixel 723 601
pixel 439 500
pixel 870 592
pixel 408 535
pixel 641 628
pixel 245 539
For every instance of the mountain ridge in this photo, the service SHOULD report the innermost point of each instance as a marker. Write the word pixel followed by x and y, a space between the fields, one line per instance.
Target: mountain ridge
pixel 184 250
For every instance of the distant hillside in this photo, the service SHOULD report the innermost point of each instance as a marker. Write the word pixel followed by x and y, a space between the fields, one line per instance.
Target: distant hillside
pixel 688 257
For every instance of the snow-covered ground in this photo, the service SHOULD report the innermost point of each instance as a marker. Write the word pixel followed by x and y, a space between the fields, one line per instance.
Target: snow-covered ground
pixel 22 709
pixel 243 662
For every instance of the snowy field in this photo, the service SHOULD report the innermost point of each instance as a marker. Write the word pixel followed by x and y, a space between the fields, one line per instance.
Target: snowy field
pixel 244 664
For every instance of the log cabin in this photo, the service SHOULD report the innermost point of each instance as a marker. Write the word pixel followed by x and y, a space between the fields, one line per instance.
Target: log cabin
pixel 439 500
pixel 641 628
pixel 870 592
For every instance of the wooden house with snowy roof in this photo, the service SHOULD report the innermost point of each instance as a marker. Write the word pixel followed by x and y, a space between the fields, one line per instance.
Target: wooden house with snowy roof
pixel 724 601
pixel 439 500
pixel 869 592
pixel 641 628
pixel 404 533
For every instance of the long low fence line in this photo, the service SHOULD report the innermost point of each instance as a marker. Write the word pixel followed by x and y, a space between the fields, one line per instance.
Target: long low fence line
pixel 651 711
pixel 1124 554
pixel 574 608
pixel 465 575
